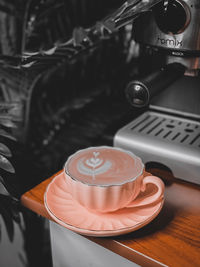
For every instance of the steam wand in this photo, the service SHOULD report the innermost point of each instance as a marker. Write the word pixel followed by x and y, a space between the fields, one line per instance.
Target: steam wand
pixel 130 10
pixel 139 92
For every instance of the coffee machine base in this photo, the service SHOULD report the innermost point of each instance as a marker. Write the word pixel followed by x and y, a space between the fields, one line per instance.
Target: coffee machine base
pixel 164 139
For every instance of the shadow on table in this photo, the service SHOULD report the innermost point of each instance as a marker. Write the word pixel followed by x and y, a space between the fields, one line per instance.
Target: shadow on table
pixel 159 223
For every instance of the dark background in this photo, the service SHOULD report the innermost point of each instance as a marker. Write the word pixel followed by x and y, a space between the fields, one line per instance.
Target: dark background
pixel 47 115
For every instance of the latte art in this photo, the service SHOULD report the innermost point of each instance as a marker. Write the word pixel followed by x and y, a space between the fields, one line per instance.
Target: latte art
pixel 84 169
pixel 103 166
pixel 94 162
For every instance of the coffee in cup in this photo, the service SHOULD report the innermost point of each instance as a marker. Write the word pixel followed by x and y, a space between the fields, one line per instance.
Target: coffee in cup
pixel 105 179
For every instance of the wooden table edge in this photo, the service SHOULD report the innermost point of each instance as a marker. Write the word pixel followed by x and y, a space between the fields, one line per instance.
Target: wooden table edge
pixel 36 204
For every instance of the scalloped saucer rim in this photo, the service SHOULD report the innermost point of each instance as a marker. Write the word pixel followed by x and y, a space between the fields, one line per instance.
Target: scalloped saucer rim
pixel 99 233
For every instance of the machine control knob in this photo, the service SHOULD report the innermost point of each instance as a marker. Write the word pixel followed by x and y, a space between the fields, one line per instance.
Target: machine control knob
pixel 172 18
pixel 137 94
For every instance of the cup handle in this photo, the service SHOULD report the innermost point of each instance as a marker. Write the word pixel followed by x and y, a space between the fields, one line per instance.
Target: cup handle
pixel 151 198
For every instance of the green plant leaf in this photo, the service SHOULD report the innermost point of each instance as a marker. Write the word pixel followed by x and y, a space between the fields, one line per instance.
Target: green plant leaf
pixel 7 220
pixel 7 123
pixel 3 189
pixel 7 135
pixel 4 150
pixel 6 165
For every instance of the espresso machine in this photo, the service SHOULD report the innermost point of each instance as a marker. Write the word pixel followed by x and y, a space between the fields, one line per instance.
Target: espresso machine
pixel 167 133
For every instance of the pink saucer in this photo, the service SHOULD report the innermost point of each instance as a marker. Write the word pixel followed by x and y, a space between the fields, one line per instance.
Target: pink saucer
pixel 70 214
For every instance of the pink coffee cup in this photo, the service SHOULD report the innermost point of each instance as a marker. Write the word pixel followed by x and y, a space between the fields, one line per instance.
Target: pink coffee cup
pixel 105 179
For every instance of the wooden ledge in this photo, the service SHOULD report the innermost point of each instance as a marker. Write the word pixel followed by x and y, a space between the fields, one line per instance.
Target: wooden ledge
pixel 172 238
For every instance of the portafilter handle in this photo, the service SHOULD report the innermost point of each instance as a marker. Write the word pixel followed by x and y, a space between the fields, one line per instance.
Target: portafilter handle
pixel 139 92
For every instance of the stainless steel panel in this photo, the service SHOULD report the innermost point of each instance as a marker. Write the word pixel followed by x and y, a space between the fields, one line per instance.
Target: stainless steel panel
pixel 166 139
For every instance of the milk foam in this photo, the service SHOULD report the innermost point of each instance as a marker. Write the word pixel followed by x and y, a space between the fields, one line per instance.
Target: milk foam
pixel 103 166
